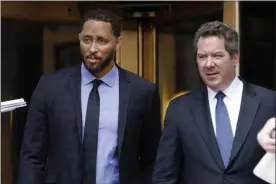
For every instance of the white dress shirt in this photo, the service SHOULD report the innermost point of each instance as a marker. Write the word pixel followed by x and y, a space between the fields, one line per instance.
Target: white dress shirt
pixel 232 101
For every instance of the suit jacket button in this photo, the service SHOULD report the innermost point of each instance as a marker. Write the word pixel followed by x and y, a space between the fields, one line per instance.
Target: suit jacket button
pixel 225 176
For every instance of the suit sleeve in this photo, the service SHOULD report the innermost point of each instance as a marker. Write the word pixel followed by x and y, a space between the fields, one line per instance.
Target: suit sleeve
pixel 150 137
pixel 168 161
pixel 33 153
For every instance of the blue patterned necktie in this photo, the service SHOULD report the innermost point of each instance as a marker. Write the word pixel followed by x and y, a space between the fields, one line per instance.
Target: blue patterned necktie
pixel 223 129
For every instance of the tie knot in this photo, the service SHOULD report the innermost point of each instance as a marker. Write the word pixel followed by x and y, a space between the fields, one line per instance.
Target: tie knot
pixel 96 82
pixel 220 95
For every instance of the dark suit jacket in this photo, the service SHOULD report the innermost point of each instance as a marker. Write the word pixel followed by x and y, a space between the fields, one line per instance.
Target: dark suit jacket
pixel 188 152
pixel 51 145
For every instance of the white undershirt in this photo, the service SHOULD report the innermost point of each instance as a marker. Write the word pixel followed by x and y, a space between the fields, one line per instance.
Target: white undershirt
pixel 232 101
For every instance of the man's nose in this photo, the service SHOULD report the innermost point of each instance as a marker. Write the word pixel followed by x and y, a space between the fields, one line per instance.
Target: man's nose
pixel 93 48
pixel 209 62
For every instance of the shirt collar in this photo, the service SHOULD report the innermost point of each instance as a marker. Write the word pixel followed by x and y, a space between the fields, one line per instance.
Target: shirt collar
pixel 108 79
pixel 229 92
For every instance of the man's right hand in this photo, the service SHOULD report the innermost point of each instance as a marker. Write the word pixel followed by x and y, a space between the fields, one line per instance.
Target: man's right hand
pixel 266 137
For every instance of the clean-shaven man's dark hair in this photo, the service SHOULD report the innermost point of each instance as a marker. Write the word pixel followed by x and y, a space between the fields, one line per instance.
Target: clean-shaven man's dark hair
pixel 221 30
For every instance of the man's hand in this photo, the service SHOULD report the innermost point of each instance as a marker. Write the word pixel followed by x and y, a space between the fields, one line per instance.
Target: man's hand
pixel 266 137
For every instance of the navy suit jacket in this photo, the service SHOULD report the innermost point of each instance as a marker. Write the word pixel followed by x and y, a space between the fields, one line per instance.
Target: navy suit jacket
pixel 51 144
pixel 188 152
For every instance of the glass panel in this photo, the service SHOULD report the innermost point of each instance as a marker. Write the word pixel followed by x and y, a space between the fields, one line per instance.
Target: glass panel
pixel 177 68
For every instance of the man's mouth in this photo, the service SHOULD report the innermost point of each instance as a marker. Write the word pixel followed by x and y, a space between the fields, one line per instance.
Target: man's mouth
pixel 212 74
pixel 92 59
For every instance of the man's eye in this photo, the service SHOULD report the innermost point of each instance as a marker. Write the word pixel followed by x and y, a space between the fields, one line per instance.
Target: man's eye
pixel 86 40
pixel 201 56
pixel 102 41
pixel 218 56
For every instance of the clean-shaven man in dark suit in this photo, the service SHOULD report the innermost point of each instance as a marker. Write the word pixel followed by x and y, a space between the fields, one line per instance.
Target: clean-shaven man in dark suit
pixel 210 134
pixel 94 123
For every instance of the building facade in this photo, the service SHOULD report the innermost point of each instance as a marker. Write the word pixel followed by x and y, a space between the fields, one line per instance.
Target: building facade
pixel 41 37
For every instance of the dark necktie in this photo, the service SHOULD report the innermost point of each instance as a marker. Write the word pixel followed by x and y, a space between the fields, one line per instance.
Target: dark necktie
pixel 90 139
pixel 223 129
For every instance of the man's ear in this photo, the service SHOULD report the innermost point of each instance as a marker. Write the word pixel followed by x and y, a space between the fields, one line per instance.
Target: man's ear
pixel 118 43
pixel 79 36
pixel 236 58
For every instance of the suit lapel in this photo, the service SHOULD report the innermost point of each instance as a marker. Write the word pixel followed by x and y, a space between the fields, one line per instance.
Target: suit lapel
pixel 75 90
pixel 203 119
pixel 248 110
pixel 124 94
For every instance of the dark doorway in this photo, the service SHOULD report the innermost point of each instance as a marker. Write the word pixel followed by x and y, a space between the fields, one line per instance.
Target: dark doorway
pixel 257 33
pixel 21 69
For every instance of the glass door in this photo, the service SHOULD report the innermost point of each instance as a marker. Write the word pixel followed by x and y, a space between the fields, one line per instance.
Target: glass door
pixel 177 68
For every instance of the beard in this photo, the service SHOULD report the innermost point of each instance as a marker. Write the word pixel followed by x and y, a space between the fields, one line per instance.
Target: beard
pixel 102 65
